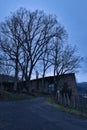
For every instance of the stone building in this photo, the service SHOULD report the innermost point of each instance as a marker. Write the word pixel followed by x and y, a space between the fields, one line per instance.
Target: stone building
pixel 40 85
pixel 47 84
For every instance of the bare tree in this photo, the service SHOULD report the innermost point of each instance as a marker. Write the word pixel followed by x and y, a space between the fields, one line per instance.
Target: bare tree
pixel 1 60
pixel 43 65
pixel 6 68
pixel 10 43
pixel 70 61
pixel 38 30
pixel 64 58
pixel 24 36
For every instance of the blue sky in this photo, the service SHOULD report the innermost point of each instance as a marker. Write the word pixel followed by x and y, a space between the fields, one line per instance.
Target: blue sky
pixel 70 13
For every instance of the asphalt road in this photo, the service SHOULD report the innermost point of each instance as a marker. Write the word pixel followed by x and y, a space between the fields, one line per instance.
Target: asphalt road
pixel 36 114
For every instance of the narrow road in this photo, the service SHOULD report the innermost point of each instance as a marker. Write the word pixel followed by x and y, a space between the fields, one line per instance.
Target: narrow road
pixel 36 114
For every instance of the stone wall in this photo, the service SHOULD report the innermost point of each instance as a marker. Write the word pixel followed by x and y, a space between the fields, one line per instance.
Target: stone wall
pixel 37 85
pixel 49 84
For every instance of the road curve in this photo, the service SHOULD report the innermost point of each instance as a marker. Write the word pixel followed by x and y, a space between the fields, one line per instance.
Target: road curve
pixel 36 114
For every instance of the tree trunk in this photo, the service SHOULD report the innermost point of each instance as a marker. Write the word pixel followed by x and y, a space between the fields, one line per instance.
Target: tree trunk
pixel 43 84
pixel 28 87
pixel 55 82
pixel 16 76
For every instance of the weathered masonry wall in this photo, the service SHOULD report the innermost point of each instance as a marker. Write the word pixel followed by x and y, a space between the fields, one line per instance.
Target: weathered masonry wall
pixel 43 85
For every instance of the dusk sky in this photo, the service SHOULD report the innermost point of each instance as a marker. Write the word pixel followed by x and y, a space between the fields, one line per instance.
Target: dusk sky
pixel 70 13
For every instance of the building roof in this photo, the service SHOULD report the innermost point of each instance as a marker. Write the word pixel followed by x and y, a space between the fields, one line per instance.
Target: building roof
pixel 60 76
pixel 6 78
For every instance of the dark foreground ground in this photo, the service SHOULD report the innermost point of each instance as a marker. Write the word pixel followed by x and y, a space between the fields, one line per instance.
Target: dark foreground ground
pixel 35 114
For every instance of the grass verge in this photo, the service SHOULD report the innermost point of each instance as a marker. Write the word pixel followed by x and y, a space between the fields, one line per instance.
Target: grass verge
pixel 65 109
pixel 7 96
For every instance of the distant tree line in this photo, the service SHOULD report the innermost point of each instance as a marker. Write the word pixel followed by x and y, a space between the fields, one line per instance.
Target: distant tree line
pixel 35 41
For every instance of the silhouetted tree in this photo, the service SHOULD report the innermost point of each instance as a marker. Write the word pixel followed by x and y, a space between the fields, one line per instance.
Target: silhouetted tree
pixel 44 65
pixel 64 58
pixel 39 29
pixel 24 36
pixel 10 43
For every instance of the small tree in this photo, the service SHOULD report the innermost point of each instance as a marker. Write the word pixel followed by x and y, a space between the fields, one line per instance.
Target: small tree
pixel 44 65
pixel 64 59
